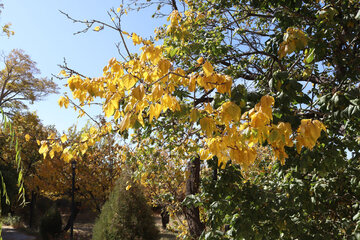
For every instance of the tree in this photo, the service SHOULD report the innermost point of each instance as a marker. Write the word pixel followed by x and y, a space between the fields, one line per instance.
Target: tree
pixel 6 28
pixel 195 80
pixel 163 177
pixel 23 125
pixel 125 215
pixel 282 47
pixel 6 126
pixel 96 171
pixel 18 82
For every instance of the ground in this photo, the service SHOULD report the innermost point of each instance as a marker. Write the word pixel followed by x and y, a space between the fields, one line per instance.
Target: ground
pixel 82 230
pixel 9 233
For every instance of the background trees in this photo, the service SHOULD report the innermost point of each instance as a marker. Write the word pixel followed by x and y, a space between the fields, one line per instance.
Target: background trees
pixel 229 78
pixel 96 172
pixel 24 126
pixel 19 84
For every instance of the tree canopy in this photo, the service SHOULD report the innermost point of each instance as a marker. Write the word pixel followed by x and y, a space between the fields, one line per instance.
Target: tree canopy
pixel 19 84
pixel 228 79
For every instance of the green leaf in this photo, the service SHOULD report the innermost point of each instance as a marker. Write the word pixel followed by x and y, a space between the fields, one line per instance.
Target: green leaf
pixel 311 56
pixel 357 17
pixel 173 52
pixel 356 216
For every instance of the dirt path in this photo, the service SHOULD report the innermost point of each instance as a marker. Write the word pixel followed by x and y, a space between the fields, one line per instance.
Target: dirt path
pixel 82 230
pixel 9 233
pixel 164 234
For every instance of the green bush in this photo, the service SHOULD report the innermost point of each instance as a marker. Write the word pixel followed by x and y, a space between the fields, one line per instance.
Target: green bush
pixel 14 221
pixel 50 225
pixel 125 215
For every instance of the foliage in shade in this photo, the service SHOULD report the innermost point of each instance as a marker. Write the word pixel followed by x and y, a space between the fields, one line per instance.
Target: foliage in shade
pixel 51 224
pixel 9 139
pixel 125 215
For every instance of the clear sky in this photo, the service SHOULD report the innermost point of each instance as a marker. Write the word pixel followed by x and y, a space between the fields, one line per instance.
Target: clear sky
pixel 47 36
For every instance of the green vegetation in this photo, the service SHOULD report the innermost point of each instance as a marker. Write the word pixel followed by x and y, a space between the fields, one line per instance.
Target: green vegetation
pixel 51 224
pixel 125 215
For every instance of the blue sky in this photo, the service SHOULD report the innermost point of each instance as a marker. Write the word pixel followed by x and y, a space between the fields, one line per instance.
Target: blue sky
pixel 47 36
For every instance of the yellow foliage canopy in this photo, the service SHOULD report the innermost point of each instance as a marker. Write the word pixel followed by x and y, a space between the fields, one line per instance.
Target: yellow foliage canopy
pixel 145 85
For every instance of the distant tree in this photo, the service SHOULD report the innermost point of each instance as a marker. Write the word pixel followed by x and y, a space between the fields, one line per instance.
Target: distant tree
pixel 126 214
pixel 96 171
pixel 19 83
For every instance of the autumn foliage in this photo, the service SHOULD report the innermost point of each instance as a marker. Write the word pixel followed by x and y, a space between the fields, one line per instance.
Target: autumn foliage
pixel 243 115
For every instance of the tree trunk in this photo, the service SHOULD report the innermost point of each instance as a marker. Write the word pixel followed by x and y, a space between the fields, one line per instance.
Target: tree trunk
pixel 72 217
pixel 32 206
pixel 192 215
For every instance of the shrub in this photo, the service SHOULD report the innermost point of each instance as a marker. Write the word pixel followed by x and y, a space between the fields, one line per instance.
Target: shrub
pixel 14 221
pixel 50 225
pixel 125 215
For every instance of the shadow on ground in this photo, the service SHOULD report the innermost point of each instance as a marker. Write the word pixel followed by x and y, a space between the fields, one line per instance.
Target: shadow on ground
pixel 9 233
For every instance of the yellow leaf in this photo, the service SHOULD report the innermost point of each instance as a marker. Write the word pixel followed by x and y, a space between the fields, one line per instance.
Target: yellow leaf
pixel 266 104
pixel 52 136
pixel 128 187
pixel 52 153
pixel 174 18
pixel 154 111
pixel 63 102
pixel 138 92
pixel 109 110
pixel 170 102
pixel 308 133
pixel 118 9
pixel 97 28
pixel 136 39
pixel 294 39
pixel 27 137
pixel 63 72
pixel 200 60
pixel 207 125
pixel 208 69
pixel 208 108
pixel 67 156
pixel 267 101
pixel 44 148
pixel 205 154
pixel 83 148
pixel 93 130
pixel 194 115
pixel 129 81
pixel 192 84
pixel 259 120
pixel 63 138
pixel 140 119
pixel 157 92
pixel 125 123
pixel 223 83
pixel 164 66
pixel 230 111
